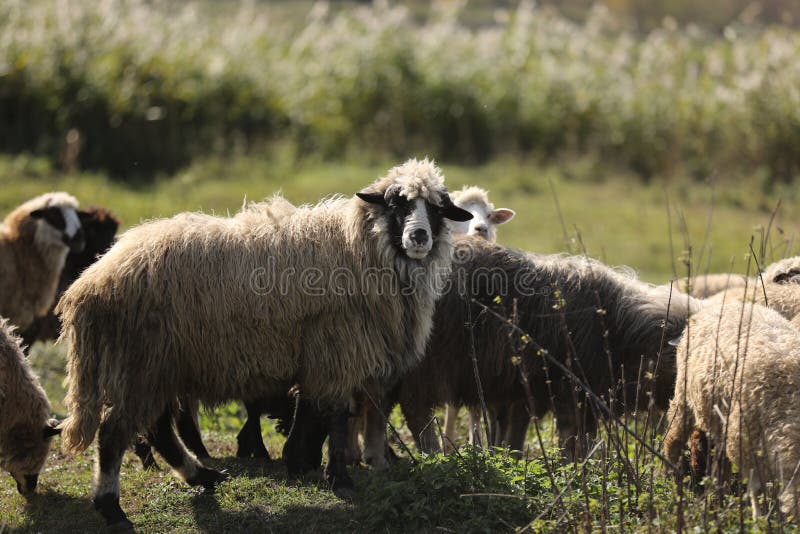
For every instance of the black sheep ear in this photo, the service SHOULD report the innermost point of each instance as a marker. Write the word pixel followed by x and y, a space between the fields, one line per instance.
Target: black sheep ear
pixel 372 198
pixel 38 214
pixel 51 429
pixel 453 212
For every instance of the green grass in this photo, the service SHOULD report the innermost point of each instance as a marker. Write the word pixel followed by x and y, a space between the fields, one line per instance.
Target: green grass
pixel 617 219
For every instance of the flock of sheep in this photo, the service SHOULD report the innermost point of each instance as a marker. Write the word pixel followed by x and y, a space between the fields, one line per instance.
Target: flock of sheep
pixel 327 316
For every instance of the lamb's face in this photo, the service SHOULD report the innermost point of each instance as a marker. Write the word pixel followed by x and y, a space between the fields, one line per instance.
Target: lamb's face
pixel 28 451
pixel 414 224
pixel 484 220
pixel 60 225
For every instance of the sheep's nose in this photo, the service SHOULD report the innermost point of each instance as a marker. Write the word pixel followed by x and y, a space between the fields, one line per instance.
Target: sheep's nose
pixel 482 230
pixel 419 236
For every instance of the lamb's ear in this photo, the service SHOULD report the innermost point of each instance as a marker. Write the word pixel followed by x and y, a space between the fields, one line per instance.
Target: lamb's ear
pixel 371 197
pixel 501 216
pixel 39 214
pixel 52 428
pixel 453 212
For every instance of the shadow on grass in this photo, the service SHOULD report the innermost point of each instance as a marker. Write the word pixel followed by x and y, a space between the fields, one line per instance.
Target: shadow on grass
pixel 56 512
pixel 285 508
pixel 211 518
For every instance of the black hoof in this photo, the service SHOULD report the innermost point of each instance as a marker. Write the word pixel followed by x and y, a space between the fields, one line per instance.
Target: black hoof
pixel 108 506
pixel 208 478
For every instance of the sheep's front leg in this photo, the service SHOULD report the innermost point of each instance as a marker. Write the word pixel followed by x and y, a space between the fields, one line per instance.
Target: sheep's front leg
pixel 187 467
pixel 754 489
pixel 112 442
pixel 249 437
pixel 375 427
pixel 449 438
pixel 516 427
pixel 189 428
pixel 680 421
pixel 355 428
pixel 336 471
pixel 302 451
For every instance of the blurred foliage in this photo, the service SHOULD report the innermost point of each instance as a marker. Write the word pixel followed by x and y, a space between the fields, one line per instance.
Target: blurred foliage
pixel 137 87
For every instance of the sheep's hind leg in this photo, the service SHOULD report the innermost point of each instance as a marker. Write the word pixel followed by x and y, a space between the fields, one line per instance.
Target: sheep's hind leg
pixel 163 438
pixel 336 471
pixel 249 437
pixel 143 450
pixel 189 428
pixel 112 442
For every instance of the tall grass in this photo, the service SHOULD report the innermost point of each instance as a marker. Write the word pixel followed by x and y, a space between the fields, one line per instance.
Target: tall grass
pixel 139 87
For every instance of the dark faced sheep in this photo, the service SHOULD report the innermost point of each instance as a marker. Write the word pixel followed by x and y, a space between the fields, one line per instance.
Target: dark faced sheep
pixel 25 431
pixel 566 306
pixel 100 228
pixel 198 307
pixel 35 239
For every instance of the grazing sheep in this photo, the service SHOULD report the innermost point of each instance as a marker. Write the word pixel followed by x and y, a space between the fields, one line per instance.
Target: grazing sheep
pixel 35 239
pixel 100 228
pixel 25 431
pixel 706 285
pixel 331 297
pixel 739 382
pixel 565 305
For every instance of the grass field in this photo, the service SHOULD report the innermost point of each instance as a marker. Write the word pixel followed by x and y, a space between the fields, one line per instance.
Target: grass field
pixel 602 210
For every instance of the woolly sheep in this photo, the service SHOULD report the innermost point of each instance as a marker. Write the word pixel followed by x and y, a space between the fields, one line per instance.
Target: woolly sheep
pixel 199 307
pixel 35 239
pixel 485 218
pixel 25 431
pixel 781 286
pixel 739 382
pixel 565 304
pixel 99 228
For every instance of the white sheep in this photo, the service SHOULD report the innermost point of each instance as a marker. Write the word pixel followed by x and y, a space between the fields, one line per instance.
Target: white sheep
pixel 333 297
pixel 485 217
pixel 25 430
pixel 35 239
pixel 739 381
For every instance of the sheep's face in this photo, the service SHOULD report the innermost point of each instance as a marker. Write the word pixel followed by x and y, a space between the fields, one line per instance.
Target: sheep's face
pixel 61 225
pixel 484 220
pixel 414 223
pixel 26 453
